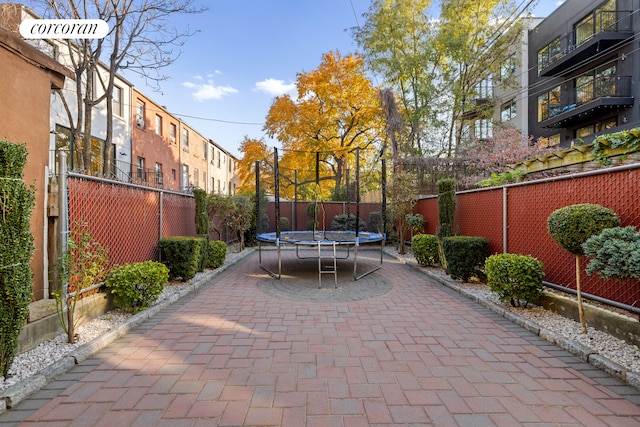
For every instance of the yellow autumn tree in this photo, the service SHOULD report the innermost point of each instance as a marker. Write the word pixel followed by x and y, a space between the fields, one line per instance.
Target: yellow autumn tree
pixel 336 111
pixel 254 150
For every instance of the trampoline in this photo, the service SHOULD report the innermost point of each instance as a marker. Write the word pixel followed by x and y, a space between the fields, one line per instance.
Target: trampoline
pixel 327 246
pixel 323 241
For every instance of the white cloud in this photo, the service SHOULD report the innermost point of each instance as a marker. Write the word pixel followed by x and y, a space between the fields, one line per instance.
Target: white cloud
pixel 275 87
pixel 207 91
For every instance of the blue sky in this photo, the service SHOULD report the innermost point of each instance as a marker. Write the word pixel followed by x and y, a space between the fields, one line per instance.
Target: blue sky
pixel 249 51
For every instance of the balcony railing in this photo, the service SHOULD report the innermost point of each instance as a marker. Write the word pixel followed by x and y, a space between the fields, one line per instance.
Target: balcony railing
pixel 586 100
pixel 589 37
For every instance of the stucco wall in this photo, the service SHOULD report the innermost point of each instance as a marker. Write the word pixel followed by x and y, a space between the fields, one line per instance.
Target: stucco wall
pixel 25 88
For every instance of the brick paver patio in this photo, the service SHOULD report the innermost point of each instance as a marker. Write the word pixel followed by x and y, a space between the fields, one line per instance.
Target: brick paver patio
pixel 410 353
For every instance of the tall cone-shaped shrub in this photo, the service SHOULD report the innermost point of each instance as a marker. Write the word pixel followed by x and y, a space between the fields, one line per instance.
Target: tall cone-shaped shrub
pixel 446 213
pixel 573 225
pixel 16 247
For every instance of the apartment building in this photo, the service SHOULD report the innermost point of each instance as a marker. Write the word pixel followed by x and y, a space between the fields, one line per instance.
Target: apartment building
pixel 155 155
pixel 510 90
pixel 222 171
pixel 583 75
pixel 501 99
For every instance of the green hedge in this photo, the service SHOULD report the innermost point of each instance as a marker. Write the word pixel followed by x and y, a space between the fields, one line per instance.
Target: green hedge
pixel 217 253
pixel 16 247
pixel 515 278
pixel 425 249
pixel 465 255
pixel 136 286
pixel 183 256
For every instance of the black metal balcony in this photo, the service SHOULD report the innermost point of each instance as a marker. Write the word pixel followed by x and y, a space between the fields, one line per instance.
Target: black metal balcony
pixel 599 97
pixel 605 30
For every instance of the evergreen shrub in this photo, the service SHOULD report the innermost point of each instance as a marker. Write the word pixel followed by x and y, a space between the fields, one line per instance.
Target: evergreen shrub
pixel 16 246
pixel 465 255
pixel 425 249
pixel 614 253
pixel 515 278
pixel 347 222
pixel 285 225
pixel 217 254
pixel 136 286
pixel 182 255
pixel 375 222
pixel 572 225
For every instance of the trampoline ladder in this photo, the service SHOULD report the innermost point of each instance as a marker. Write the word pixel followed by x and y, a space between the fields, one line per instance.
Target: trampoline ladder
pixel 327 269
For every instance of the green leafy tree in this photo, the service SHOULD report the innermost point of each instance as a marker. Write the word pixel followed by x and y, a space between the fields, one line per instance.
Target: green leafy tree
pixel 435 67
pixel 83 264
pixel 571 226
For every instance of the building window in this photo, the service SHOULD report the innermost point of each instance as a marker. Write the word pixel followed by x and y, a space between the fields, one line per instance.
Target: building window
pixel 196 175
pixel 185 176
pixel 508 69
pixel 230 166
pixel 549 141
pixel 117 101
pixel 213 183
pixel 158 124
pixel 204 179
pixel 483 129
pixel 219 158
pixel 204 150
pixel 140 168
pixel 484 89
pixel 185 139
pixel 600 20
pixel 219 187
pixel 549 54
pixel 159 177
pixel 595 84
pixel 172 132
pixel 173 174
pixel 140 114
pixel 549 104
pixel 600 126
pixel 508 110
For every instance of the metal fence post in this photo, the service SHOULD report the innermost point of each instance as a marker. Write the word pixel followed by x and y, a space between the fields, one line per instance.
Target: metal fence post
pixel 63 218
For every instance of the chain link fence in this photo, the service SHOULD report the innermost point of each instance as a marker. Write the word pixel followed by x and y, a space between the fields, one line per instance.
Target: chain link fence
pixel 514 219
pixel 126 218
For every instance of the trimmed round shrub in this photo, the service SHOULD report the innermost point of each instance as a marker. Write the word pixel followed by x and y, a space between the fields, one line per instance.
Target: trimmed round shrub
pixel 572 225
pixel 344 222
pixel 515 278
pixel 217 254
pixel 465 255
pixel 425 249
pixel 136 286
pixel 284 224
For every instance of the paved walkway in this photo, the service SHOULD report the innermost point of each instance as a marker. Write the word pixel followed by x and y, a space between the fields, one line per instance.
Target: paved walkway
pixel 409 353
